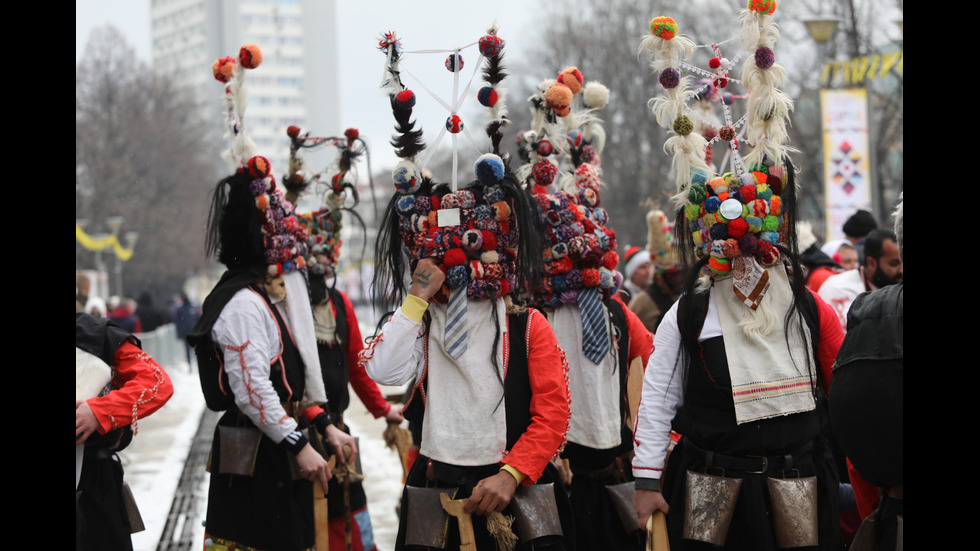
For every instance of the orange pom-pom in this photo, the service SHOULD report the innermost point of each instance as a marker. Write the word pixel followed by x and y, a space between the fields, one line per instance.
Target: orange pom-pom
pixel 224 69
pixel 572 78
pixel 250 56
pixel 663 27
pixel 559 98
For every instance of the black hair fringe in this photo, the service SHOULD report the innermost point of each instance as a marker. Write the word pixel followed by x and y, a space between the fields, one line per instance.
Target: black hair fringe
pixel 234 230
pixel 408 142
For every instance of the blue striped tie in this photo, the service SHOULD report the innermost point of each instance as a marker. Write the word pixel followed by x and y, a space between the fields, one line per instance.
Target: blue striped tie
pixel 455 341
pixel 595 335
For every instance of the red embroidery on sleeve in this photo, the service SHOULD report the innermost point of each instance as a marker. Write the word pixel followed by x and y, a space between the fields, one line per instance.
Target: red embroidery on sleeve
pixel 256 402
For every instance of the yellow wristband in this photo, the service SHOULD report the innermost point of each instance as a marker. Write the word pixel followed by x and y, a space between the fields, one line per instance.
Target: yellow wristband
pixel 518 475
pixel 414 308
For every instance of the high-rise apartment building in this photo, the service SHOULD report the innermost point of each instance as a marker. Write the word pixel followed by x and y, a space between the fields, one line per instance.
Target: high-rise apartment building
pixel 297 82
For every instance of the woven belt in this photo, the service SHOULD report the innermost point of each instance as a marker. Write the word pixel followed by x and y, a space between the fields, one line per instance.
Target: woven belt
pixel 751 464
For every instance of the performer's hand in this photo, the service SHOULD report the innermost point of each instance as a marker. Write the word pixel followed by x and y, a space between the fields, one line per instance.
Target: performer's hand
pixel 85 421
pixel 646 502
pixel 491 494
pixel 313 466
pixel 427 279
pixel 338 439
pixel 563 470
pixel 394 415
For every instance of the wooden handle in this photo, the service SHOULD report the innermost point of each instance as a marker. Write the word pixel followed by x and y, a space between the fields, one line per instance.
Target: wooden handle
pixel 657 532
pixel 320 517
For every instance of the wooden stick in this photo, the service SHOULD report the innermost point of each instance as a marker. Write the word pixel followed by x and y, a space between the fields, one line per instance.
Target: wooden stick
pixel 657 532
pixel 320 517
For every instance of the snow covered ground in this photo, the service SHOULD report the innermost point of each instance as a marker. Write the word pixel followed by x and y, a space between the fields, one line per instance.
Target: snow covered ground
pixel 155 460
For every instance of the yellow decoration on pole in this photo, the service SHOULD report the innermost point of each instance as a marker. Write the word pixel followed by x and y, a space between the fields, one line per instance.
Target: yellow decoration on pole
pixel 94 244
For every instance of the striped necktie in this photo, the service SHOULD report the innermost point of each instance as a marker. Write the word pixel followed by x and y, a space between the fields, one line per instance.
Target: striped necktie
pixel 455 338
pixel 595 334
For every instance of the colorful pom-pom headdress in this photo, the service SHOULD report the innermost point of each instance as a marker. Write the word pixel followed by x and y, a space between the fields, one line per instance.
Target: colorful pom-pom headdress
pixel 737 219
pixel 334 185
pixel 283 240
pixel 473 229
pixel 561 153
pixel 252 226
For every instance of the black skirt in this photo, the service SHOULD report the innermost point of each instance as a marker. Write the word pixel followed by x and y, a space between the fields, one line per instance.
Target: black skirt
pixel 268 510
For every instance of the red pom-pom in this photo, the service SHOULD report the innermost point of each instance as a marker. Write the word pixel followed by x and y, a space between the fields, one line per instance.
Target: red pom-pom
pixel 351 134
pixel 610 260
pixel 727 133
pixel 747 193
pixel 561 266
pixel 721 82
pixel 224 69
pixel 545 148
pixel 405 100
pixel 293 131
pixel 258 167
pixel 454 257
pixel 591 277
pixel 491 45
pixel 730 248
pixel 714 63
pixel 489 241
pixel 737 228
pixel 250 56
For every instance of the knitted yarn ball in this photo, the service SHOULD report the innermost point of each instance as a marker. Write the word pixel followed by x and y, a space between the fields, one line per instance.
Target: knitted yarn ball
pixel 683 125
pixel 544 148
pixel 764 57
pixel 405 100
pixel 258 167
pixel 726 133
pixel 596 95
pixel 670 78
pixel 454 124
pixel 589 155
pixel 544 172
pixel 559 97
pixel 250 56
pixel 489 169
pixel 663 27
pixel 224 68
pixel 572 78
pixel 763 7
pixel 490 45
pixel 454 63
pixel 587 177
pixel 404 177
pixel 487 96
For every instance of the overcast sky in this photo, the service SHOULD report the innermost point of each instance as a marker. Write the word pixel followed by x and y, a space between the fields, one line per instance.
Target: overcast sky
pixel 422 25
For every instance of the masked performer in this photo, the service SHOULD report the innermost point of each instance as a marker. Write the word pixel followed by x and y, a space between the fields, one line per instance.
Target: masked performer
pixel 338 334
pixel 742 361
pixel 257 355
pixel 577 289
pixel 489 404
